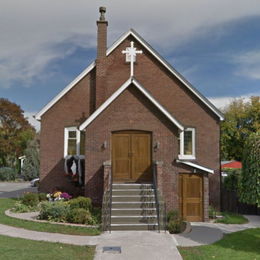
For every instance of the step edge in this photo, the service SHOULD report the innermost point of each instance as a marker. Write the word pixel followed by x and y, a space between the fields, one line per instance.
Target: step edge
pixel 134 216
pixel 135 224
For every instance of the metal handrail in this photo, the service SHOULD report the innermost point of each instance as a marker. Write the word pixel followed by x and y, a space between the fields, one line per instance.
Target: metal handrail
pixel 160 204
pixel 110 199
pixel 156 196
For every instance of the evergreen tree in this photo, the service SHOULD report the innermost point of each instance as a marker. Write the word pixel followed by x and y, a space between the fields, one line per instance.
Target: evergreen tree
pixel 250 178
pixel 31 165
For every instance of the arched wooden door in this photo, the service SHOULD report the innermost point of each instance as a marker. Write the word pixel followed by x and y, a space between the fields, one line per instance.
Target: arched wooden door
pixel 131 156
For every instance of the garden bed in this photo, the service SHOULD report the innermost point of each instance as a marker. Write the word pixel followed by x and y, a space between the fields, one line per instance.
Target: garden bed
pixel 6 204
pixel 33 216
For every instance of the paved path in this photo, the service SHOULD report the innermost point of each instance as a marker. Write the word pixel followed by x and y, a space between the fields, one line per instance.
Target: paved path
pixel 134 244
pixel 204 233
pixel 15 189
pixel 139 244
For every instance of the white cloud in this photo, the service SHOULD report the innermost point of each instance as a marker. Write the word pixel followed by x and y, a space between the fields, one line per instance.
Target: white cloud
pixel 30 117
pixel 33 31
pixel 222 102
pixel 248 64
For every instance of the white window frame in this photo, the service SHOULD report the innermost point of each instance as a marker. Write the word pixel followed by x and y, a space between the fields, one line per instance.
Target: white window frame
pixel 183 156
pixel 66 136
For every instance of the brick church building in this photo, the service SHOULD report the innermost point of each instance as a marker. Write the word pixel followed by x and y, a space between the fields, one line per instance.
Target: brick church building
pixel 128 117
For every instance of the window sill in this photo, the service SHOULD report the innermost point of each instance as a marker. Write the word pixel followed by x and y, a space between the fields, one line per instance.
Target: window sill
pixel 186 157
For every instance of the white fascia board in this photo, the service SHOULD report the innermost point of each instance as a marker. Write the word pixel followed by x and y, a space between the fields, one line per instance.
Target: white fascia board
pixel 118 92
pixel 65 90
pixel 157 104
pixel 169 67
pixel 105 105
pixel 194 165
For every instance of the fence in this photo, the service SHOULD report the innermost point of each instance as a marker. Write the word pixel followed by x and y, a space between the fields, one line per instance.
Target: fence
pixel 230 203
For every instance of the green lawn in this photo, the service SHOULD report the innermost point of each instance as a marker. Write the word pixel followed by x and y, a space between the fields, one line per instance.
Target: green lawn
pixel 232 218
pixel 242 245
pixel 46 227
pixel 23 249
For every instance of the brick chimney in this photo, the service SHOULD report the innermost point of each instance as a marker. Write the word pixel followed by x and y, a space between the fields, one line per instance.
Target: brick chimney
pixel 101 58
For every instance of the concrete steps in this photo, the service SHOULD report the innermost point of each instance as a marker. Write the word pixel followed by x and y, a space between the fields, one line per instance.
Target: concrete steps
pixel 133 207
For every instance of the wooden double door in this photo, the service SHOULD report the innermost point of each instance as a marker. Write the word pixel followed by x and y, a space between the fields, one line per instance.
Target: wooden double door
pixel 132 156
pixel 191 196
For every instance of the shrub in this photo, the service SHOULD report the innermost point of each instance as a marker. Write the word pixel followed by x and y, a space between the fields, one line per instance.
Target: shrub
pixel 174 226
pixel 7 174
pixel 172 215
pixel 19 207
pixel 81 203
pixel 30 199
pixel 42 196
pixel 231 181
pixel 31 165
pixel 174 222
pixel 56 211
pixel 96 215
pixel 212 212
pixel 80 216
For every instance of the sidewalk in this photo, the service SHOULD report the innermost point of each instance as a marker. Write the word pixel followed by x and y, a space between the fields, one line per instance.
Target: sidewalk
pixel 134 244
pixel 204 233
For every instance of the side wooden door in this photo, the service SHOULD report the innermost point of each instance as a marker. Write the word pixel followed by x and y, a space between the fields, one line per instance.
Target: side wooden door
pixel 191 196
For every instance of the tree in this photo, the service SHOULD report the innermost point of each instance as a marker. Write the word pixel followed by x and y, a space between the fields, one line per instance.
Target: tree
pixel 31 164
pixel 250 179
pixel 15 132
pixel 241 119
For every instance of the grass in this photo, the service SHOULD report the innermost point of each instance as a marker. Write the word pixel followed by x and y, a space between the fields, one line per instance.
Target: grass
pixel 23 249
pixel 42 227
pixel 232 218
pixel 242 245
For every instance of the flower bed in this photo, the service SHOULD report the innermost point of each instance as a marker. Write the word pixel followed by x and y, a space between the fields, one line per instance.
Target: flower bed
pixel 60 207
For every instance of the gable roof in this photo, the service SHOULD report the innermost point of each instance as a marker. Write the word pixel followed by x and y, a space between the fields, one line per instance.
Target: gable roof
pixel 196 166
pixel 118 92
pixel 150 50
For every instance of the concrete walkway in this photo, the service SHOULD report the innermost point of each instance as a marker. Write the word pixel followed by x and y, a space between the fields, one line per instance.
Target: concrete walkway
pixel 134 244
pixel 138 244
pixel 204 233
pixel 15 189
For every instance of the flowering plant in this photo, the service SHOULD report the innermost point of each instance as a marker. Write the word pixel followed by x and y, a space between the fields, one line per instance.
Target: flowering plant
pixel 58 195
pixel 65 196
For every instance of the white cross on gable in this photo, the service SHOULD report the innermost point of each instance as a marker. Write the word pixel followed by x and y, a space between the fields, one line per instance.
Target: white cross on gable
pixel 131 57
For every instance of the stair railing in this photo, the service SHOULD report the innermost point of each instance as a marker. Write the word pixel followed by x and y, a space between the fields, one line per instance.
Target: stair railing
pixel 107 203
pixel 160 204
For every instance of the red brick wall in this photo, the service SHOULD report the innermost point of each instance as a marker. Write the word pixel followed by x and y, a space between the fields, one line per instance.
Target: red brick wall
pixel 132 111
pixel 72 109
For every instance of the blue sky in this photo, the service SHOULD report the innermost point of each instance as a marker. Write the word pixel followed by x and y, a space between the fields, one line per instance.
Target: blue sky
pixel 44 46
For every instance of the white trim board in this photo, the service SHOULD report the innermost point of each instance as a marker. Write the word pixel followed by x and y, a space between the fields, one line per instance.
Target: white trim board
pixel 154 53
pixel 118 92
pixel 64 91
pixel 197 166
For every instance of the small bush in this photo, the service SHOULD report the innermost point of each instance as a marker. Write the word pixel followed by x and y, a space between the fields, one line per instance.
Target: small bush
pixel 172 215
pixel 212 212
pixel 175 223
pixel 80 216
pixel 174 226
pixel 19 207
pixel 81 203
pixel 56 211
pixel 7 174
pixel 96 215
pixel 30 199
pixel 42 196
